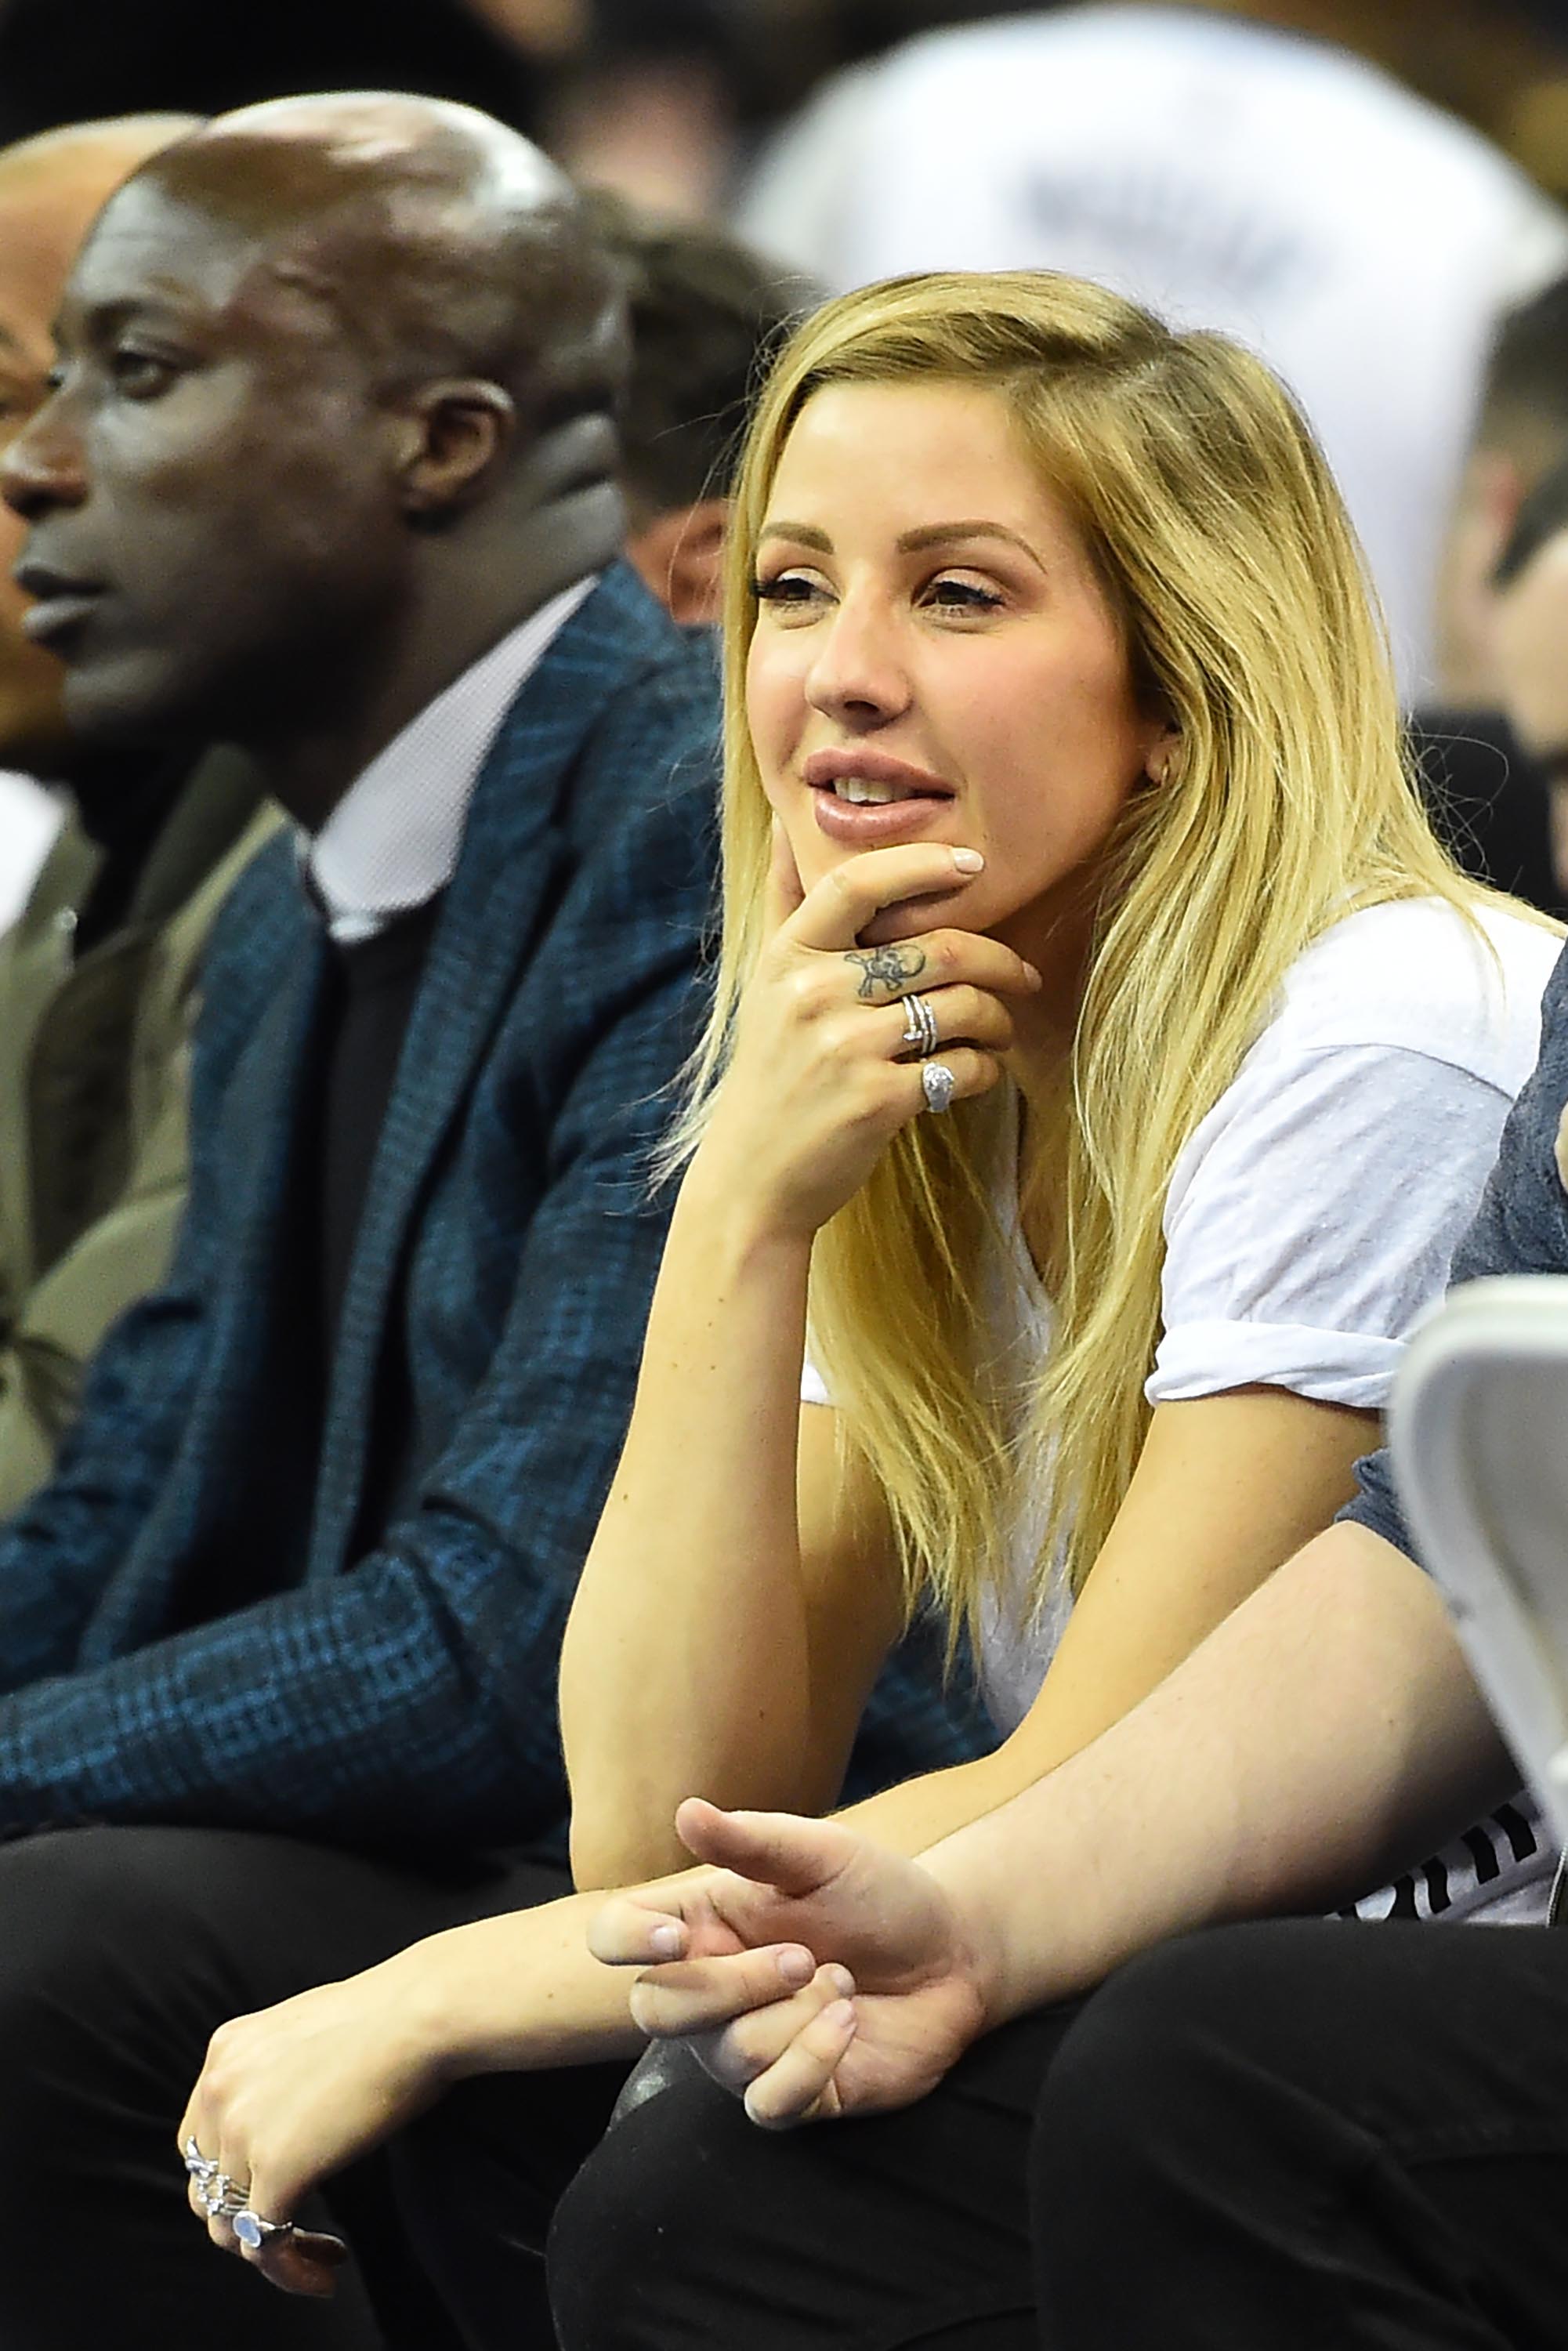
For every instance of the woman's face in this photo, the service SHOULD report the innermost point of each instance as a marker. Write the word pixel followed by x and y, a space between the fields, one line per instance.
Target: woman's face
pixel 934 658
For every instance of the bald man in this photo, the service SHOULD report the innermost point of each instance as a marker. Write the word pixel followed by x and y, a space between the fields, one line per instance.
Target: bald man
pixel 98 978
pixel 327 473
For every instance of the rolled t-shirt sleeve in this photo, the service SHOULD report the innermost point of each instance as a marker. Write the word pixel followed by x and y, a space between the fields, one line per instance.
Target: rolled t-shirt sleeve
pixel 1312 1219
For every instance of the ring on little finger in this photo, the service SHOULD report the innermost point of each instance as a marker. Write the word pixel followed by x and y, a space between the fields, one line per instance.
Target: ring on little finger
pixel 936 1085
pixel 920 1026
pixel 253 2230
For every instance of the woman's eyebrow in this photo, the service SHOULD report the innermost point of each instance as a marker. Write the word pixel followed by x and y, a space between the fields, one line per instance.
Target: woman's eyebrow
pixel 804 534
pixel 949 534
pixel 908 542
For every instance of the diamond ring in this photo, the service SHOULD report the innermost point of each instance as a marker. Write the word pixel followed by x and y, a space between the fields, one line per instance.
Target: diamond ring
pixel 936 1085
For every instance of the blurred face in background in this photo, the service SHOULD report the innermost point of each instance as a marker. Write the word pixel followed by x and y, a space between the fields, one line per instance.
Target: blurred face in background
pixel 50 191
pixel 1532 663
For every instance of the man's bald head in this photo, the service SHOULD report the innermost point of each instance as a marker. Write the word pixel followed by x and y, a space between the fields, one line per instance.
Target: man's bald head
pixel 51 188
pixel 335 405
pixel 443 243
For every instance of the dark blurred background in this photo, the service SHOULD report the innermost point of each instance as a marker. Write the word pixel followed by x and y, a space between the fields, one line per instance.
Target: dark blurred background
pixel 667 99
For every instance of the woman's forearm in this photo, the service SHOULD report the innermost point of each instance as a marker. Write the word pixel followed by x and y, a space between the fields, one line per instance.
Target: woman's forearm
pixel 684 1667
pixel 516 1994
pixel 1327 1732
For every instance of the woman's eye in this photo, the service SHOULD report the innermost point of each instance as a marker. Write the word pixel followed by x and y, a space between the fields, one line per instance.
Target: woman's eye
pixel 951 595
pixel 787 587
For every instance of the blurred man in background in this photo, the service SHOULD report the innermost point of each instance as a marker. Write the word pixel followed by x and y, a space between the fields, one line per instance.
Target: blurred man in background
pixel 1532 645
pixel 328 471
pixel 98 977
pixel 1521 434
pixel 1229 174
pixel 1485 794
pixel 707 314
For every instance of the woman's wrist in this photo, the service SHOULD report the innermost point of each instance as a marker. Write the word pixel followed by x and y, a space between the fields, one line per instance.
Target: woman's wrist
pixel 721 1197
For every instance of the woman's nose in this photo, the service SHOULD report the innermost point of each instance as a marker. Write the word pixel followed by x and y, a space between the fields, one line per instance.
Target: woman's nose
pixel 858 675
pixel 42 467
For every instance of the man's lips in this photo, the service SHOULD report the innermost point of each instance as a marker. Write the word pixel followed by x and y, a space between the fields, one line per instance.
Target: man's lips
pixel 60 600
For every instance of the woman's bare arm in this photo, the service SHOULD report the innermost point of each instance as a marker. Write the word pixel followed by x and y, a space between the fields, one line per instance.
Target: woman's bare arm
pixel 740 1593
pixel 742 1588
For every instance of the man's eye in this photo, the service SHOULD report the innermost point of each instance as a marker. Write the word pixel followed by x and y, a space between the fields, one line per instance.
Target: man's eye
pixel 141 376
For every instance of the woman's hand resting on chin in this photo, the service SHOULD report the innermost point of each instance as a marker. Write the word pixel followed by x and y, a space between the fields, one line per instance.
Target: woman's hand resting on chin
pixel 853 1988
pixel 823 1074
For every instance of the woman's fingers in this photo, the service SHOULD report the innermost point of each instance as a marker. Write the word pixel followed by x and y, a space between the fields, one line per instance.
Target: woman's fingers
pixel 304 2262
pixel 837 909
pixel 971 1073
pixel 698 1995
pixel 783 892
pixel 626 1933
pixel 935 960
pixel 961 1015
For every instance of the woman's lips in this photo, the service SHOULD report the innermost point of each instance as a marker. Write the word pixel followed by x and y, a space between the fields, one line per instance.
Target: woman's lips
pixel 873 824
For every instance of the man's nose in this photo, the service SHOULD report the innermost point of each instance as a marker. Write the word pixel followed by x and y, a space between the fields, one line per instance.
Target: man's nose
pixel 41 468
pixel 859 676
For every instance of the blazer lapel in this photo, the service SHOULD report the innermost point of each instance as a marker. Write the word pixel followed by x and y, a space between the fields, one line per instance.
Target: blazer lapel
pixel 498 899
pixel 262 1131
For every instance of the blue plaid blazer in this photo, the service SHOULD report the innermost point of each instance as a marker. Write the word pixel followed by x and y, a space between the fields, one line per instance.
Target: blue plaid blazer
pixel 404 1696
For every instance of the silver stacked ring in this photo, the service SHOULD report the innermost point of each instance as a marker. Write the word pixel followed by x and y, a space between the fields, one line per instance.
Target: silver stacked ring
pixel 920 1026
pixel 936 1085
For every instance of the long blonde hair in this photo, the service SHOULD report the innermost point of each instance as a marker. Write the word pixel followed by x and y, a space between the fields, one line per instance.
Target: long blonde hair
pixel 1223 544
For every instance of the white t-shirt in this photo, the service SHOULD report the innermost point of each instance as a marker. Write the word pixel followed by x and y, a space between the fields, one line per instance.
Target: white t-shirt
pixel 1311 1215
pixel 1228 174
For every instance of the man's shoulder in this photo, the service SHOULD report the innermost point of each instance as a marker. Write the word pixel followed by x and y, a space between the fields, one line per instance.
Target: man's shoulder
pixel 628 705
pixel 254 937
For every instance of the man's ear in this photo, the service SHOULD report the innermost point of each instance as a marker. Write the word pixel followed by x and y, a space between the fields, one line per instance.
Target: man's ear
pixel 453 434
pixel 680 555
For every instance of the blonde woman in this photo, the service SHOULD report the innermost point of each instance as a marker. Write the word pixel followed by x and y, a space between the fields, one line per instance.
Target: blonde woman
pixel 1105 1060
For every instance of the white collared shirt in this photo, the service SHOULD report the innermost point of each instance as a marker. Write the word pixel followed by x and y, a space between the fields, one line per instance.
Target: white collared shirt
pixel 29 820
pixel 393 839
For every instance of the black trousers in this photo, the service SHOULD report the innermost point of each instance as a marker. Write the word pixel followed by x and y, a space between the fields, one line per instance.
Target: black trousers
pixel 1311 2135
pixel 121 1951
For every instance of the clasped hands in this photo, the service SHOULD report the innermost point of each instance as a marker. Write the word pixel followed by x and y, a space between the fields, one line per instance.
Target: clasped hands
pixel 810 1972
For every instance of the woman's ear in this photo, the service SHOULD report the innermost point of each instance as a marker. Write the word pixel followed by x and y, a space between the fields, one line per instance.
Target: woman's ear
pixel 451 435
pixel 1163 753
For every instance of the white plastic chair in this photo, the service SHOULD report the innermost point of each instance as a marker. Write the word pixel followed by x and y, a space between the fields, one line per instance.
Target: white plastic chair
pixel 1479 1433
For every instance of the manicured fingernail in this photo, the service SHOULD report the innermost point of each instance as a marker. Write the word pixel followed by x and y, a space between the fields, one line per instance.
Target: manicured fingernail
pixel 841 1979
pixel 968 861
pixel 797 1967
pixel 666 1941
pixel 841 2016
